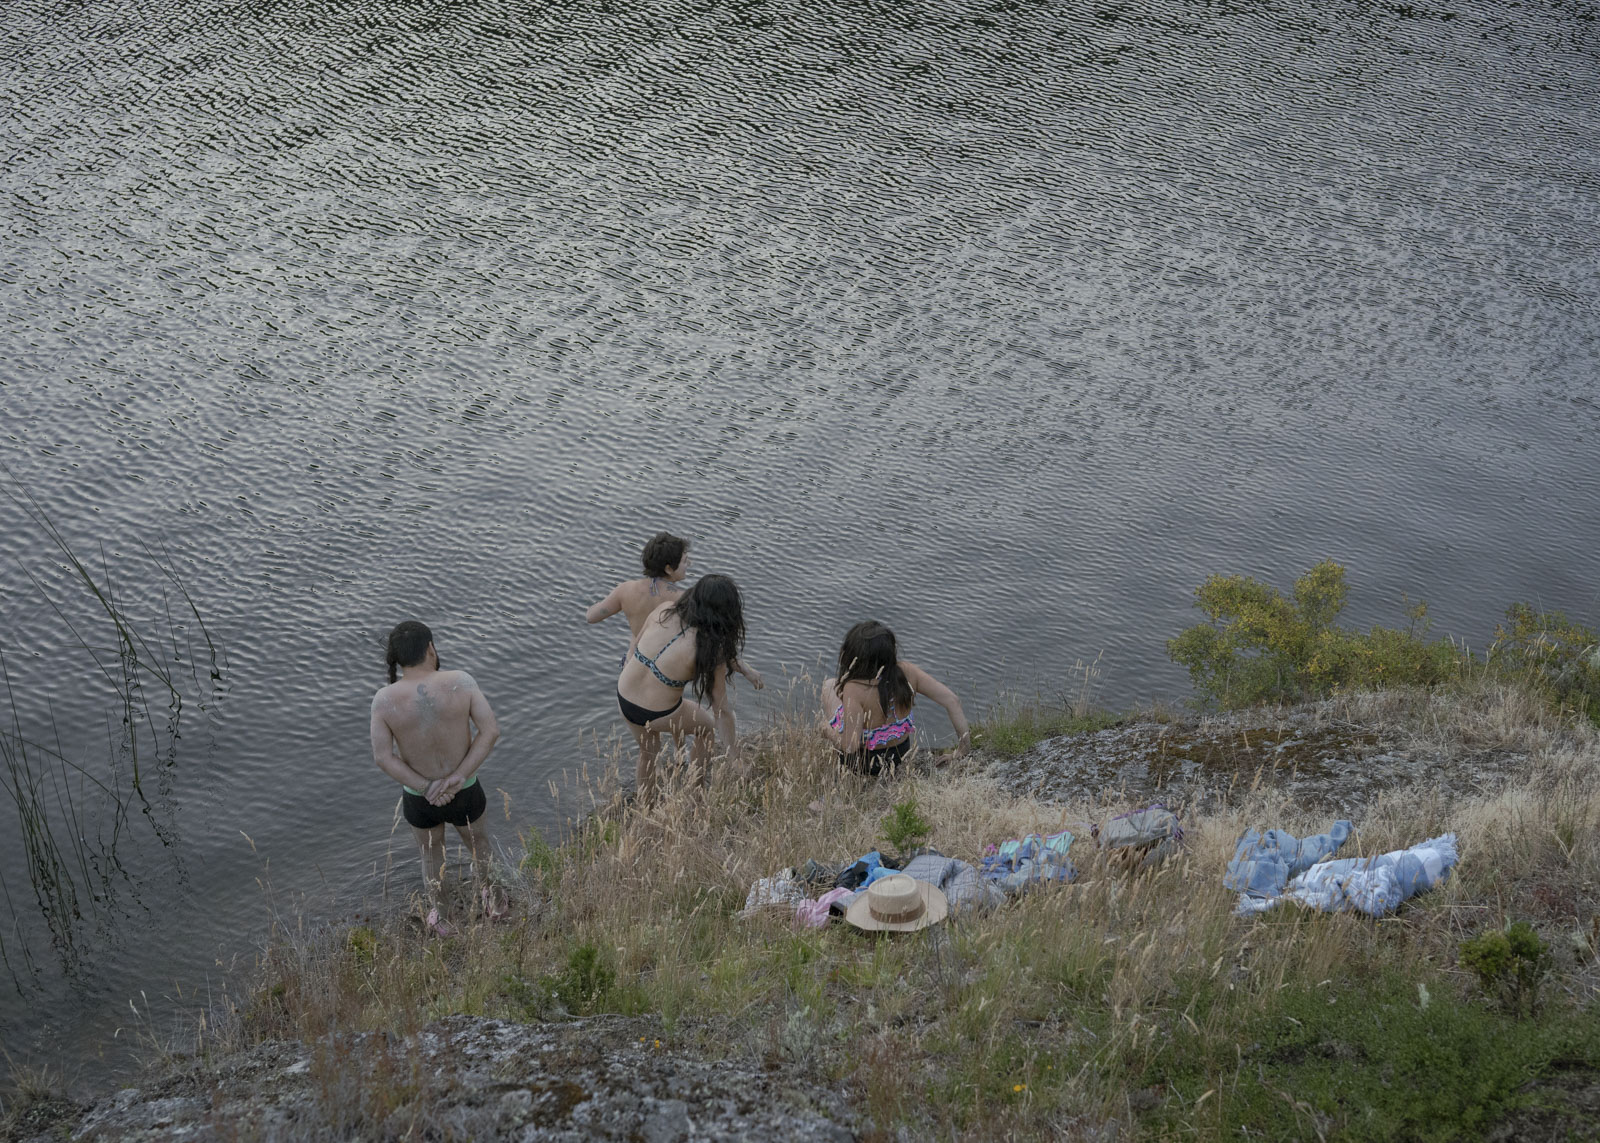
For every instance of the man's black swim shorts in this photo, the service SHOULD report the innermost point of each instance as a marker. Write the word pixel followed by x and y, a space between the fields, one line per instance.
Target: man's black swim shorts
pixel 463 809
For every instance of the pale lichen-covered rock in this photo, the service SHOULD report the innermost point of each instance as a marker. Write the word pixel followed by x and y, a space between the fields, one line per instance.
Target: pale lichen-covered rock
pixel 1315 758
pixel 605 1078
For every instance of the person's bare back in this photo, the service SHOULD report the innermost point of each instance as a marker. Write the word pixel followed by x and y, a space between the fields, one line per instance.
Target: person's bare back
pixel 666 562
pixel 431 730
pixel 639 597
pixel 430 720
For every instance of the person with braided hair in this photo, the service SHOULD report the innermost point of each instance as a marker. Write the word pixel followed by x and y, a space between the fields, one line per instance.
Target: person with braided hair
pixel 431 730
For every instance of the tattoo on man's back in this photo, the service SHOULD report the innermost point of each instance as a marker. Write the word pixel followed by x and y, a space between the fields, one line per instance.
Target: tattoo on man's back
pixel 427 709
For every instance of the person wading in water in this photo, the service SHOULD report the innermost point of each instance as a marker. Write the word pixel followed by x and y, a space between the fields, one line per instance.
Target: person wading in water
pixel 666 564
pixel 693 642
pixel 422 737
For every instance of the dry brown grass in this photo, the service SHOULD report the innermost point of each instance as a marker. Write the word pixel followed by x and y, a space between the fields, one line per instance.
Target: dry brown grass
pixel 1058 1015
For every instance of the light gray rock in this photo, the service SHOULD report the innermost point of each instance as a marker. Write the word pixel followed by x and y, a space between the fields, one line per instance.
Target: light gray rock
pixel 597 1079
pixel 1208 763
pixel 666 1121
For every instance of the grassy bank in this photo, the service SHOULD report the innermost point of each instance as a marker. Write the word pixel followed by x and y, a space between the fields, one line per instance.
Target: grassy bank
pixel 1138 999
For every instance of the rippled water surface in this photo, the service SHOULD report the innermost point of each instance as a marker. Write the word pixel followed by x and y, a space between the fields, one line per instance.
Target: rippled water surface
pixel 1004 323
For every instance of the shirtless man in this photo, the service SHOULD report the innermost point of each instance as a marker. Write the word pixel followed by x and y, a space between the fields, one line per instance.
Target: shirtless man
pixel 422 737
pixel 666 563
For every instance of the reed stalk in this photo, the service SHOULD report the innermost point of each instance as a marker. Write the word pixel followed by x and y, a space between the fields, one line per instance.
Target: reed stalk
pixel 61 805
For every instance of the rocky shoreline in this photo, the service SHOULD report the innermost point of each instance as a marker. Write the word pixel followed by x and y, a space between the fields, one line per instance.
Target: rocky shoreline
pixel 602 1078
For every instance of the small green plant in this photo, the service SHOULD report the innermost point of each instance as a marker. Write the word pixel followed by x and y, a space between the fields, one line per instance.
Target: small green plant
pixel 586 981
pixel 539 856
pixel 363 945
pixel 903 827
pixel 1510 964
pixel 1262 646
pixel 1557 657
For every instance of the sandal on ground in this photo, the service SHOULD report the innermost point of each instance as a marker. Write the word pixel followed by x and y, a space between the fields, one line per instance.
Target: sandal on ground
pixel 496 903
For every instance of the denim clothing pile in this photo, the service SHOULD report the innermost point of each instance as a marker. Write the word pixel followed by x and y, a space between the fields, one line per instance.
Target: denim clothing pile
pixel 1375 886
pixel 1263 862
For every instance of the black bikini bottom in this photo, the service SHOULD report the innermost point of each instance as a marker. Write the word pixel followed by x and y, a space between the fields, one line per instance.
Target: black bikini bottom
pixel 637 714
pixel 874 762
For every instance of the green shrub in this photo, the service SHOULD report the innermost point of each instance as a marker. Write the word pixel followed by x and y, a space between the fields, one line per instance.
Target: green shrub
pixel 586 982
pixel 1556 657
pixel 1261 646
pixel 1510 964
pixel 904 827
pixel 539 856
pixel 585 985
pixel 362 942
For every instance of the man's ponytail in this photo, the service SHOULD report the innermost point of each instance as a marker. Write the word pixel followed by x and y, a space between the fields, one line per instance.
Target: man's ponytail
pixel 408 646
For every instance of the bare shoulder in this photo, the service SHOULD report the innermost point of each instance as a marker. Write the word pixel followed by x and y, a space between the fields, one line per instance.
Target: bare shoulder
pixel 458 681
pixel 628 589
pixel 633 596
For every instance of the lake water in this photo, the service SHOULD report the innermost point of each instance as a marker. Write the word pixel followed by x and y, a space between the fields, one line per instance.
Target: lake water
pixel 1004 323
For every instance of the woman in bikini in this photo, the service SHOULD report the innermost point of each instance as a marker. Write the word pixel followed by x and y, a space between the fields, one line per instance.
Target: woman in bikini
pixel 868 709
pixel 666 563
pixel 696 639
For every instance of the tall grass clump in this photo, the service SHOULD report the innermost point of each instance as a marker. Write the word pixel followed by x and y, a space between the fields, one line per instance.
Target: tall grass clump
pixel 33 1104
pixel 1259 645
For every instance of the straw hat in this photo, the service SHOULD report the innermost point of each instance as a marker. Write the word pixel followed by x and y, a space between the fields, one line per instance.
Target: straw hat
pixel 898 904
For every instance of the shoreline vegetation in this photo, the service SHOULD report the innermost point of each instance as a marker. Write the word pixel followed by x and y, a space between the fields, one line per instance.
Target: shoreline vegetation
pixel 1126 1005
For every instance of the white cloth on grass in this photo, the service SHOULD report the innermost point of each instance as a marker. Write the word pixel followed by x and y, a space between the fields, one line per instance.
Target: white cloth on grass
pixel 780 892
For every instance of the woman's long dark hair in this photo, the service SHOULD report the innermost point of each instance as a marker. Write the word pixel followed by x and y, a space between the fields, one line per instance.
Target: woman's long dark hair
pixel 868 655
pixel 715 611
pixel 408 645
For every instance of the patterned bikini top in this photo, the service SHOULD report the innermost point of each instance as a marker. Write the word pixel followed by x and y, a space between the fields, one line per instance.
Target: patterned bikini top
pixel 879 736
pixel 676 684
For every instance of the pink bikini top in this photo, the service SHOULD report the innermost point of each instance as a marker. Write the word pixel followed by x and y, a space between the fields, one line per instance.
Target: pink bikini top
pixel 879 736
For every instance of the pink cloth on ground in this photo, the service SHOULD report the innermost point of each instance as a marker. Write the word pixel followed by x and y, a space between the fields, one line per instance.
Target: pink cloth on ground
pixel 814 914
